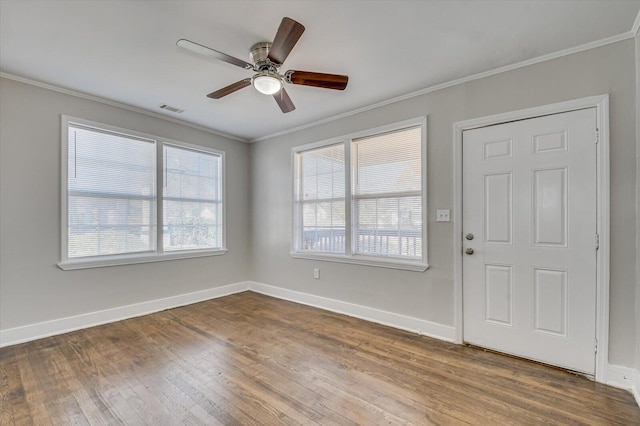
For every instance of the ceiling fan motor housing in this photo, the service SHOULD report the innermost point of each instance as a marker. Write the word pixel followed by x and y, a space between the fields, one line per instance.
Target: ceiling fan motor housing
pixel 260 55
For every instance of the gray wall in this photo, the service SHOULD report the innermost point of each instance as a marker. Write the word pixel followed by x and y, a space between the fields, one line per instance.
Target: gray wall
pixel 32 288
pixel 429 295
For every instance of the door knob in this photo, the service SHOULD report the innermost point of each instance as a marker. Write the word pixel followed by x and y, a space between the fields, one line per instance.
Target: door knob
pixel 469 251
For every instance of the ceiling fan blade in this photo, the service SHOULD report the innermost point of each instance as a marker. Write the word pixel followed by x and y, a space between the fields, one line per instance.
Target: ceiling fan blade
pixel 284 101
pixel 211 53
pixel 287 36
pixel 316 79
pixel 230 89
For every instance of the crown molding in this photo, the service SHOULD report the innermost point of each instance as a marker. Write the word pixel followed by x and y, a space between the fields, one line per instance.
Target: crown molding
pixel 581 48
pixel 636 26
pixel 116 104
pixel 587 46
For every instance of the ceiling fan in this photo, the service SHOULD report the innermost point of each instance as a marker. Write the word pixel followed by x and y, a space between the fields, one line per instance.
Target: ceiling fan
pixel 267 59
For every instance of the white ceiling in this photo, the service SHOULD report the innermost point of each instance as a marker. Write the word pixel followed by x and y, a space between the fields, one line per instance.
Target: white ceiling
pixel 125 50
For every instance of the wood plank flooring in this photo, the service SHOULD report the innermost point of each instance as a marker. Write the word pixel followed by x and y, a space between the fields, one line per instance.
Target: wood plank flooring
pixel 248 359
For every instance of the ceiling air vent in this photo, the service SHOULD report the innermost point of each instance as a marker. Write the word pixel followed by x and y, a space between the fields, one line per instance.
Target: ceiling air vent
pixel 172 109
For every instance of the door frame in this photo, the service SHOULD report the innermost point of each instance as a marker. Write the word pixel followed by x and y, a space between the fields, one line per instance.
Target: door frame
pixel 601 103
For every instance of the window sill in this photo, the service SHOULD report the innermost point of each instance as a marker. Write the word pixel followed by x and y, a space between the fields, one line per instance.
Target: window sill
pixel 364 260
pixel 99 262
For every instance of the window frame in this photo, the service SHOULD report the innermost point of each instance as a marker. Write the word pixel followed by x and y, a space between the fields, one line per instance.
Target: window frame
pixel 298 217
pixel 158 254
pixel 393 262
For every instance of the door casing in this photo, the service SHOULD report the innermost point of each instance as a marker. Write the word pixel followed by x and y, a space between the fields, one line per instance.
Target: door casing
pixel 601 103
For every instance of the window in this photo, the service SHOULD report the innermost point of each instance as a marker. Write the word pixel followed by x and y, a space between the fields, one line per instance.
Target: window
pixel 130 198
pixel 322 199
pixel 111 193
pixel 192 206
pixel 361 198
pixel 387 194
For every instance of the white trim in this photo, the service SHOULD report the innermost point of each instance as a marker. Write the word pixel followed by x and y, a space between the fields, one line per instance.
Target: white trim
pixel 320 144
pixel 624 378
pixel 601 103
pixel 619 377
pixel 636 386
pixel 604 231
pixel 635 382
pixel 382 262
pixel 636 25
pixel 13 336
pixel 116 104
pixel 402 322
pixel 456 217
pixel 570 51
pixel 99 262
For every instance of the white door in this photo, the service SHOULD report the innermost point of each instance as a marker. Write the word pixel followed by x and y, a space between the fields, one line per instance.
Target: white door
pixel 529 215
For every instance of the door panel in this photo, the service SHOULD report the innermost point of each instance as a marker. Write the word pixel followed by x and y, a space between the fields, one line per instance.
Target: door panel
pixel 498 208
pixel 529 198
pixel 550 301
pixel 550 207
pixel 498 301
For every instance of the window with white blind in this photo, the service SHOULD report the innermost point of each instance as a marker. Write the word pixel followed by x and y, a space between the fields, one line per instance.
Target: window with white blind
pixel 130 198
pixel 192 203
pixel 362 198
pixel 111 193
pixel 321 199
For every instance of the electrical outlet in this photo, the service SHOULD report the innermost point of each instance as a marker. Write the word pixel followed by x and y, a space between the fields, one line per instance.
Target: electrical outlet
pixel 442 215
pixel 316 273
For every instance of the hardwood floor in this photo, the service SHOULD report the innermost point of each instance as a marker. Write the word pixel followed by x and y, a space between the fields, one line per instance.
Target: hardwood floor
pixel 249 359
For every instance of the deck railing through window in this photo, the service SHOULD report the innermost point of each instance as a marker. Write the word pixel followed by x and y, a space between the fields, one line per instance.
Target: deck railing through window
pixel 374 241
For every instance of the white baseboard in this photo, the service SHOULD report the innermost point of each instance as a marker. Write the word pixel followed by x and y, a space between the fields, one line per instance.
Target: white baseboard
pixel 618 376
pixel 13 336
pixel 625 378
pixel 636 384
pixel 416 325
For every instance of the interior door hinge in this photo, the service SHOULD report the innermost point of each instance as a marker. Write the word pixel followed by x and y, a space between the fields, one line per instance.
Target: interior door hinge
pixel 596 345
pixel 597 241
pixel 597 136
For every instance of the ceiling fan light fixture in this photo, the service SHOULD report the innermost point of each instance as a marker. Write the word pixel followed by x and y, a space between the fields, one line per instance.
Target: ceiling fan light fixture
pixel 267 58
pixel 267 83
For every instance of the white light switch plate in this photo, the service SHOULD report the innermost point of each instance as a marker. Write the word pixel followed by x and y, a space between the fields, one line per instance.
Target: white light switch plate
pixel 442 215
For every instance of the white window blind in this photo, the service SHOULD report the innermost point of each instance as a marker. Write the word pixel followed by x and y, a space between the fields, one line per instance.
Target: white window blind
pixel 129 197
pixel 111 190
pixel 387 194
pixel 192 202
pixel 321 199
